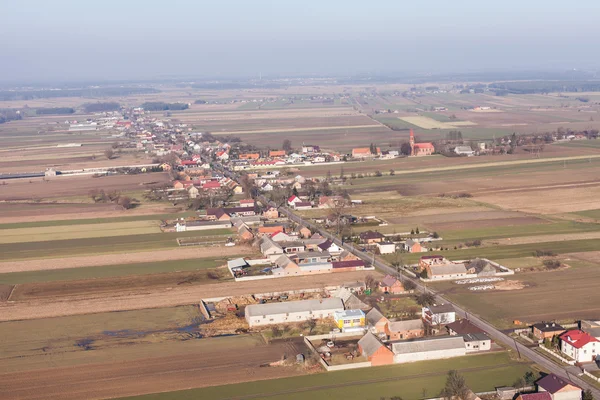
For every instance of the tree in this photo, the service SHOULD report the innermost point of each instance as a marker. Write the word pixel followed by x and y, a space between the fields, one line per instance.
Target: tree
pixel 405 149
pixel 530 378
pixel 126 202
pixel 409 286
pixel 109 154
pixel 435 235
pixel 587 395
pixel 425 299
pixel 378 173
pixel 342 176
pixel 519 383
pixel 311 324
pixel 248 186
pixel 456 387
pixel 417 230
pixel 392 172
pixel 370 282
pixel 328 178
pixel 287 145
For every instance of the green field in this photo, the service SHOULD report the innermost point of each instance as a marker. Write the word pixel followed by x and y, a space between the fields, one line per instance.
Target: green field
pixel 589 213
pixel 410 381
pixel 110 271
pixel 112 244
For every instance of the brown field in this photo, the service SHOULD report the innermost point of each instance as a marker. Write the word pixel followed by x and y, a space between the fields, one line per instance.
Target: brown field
pixel 102 299
pixel 199 363
pixel 37 188
pixel 126 258
pixel 5 292
pixel 34 212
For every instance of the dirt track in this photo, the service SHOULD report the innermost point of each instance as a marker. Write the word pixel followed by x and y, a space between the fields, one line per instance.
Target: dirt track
pixel 126 258
pixel 135 299
pixel 100 381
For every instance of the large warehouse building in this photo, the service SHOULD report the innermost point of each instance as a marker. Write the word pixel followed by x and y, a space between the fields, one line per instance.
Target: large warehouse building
pixel 292 311
pixel 434 348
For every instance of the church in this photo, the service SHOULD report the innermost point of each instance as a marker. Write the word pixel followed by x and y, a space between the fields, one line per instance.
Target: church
pixel 420 149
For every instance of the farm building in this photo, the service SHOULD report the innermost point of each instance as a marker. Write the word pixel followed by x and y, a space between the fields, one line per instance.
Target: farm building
pixel 446 271
pixel 409 329
pixel 464 151
pixel 434 348
pixel 302 205
pixel 439 314
pixel 413 246
pixel 184 226
pixel 376 321
pixel 477 342
pixel 386 247
pixel 350 320
pixel 375 351
pixel 559 388
pixel 292 311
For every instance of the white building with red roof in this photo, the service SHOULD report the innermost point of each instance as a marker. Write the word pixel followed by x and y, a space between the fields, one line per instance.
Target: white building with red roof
pixel 579 345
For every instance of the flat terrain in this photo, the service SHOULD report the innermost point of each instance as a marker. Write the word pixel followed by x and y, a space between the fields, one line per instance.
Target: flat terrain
pixel 119 294
pixel 410 381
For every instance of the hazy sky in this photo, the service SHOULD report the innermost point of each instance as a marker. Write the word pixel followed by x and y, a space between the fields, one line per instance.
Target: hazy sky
pixel 109 39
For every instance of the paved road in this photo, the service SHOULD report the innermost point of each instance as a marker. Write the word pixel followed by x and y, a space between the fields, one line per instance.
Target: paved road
pixel 492 331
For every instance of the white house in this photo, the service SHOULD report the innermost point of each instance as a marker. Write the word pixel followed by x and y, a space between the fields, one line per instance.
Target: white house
pixel 292 311
pixel 449 271
pixel 439 314
pixel 579 345
pixel 293 200
pixel 386 247
pixel 477 342
pixel 433 348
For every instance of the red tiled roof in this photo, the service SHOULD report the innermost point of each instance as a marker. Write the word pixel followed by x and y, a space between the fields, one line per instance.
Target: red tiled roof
pixel 537 396
pixel 424 145
pixel 577 338
pixel 211 185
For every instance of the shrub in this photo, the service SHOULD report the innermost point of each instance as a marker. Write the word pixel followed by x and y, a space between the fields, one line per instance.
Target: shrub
pixel 544 253
pixel 552 264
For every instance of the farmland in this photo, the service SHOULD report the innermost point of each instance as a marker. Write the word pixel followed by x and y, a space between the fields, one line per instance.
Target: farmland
pixel 412 381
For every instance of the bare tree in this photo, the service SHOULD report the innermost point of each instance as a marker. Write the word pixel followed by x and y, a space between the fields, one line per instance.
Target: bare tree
pixel 109 154
pixel 287 145
pixel 456 387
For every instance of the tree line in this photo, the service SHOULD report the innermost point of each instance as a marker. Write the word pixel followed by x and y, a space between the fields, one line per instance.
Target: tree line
pixel 54 110
pixel 6 95
pixel 101 107
pixel 162 106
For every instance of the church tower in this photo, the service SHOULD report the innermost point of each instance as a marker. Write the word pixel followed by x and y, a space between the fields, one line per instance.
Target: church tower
pixel 411 141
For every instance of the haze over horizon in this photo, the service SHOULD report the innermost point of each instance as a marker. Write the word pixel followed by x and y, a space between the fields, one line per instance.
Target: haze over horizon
pixel 71 40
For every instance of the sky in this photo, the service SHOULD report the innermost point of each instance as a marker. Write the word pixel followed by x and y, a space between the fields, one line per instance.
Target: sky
pixel 127 39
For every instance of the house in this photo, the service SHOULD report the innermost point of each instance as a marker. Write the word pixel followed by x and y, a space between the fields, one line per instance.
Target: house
pixel 309 149
pixel 271 213
pixel 292 311
pixel 302 205
pixel 245 234
pixel 425 261
pixel 293 199
pixel 305 232
pixel 579 345
pixel 377 323
pixel 386 247
pixel 477 342
pixel 546 330
pixel 392 285
pixel 277 153
pixel 462 327
pixel 375 351
pixel 218 214
pixel 247 203
pixel 559 388
pixel 433 348
pixel 370 237
pixel 364 152
pixel 481 267
pixel 270 249
pixel 267 187
pixel 285 266
pixel 305 257
pixel 330 247
pixel 345 255
pixel 350 320
pixel 293 246
pixel 270 229
pixel 193 192
pixel 464 151
pixel 281 237
pixel 438 314
pixel 413 246
pixel 409 329
pixel 446 271
pixel 211 185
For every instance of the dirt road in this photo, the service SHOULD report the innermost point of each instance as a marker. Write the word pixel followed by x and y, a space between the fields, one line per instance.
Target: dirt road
pixel 141 376
pixel 140 298
pixel 125 258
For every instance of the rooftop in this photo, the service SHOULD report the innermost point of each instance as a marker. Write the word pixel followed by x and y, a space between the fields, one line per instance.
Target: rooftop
pixel 312 305
pixel 349 314
pixel 463 327
pixel 408 325
pixel 428 344
pixel 553 383
pixel 441 308
pixel 577 338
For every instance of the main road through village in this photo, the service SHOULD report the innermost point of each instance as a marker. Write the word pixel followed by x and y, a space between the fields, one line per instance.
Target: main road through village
pixel 492 331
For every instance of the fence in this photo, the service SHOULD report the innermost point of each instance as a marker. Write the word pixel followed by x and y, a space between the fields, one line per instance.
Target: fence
pixel 555 355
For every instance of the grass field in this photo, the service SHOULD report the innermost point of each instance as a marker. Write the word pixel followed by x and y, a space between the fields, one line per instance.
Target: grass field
pixel 409 381
pixel 112 244
pixel 111 271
